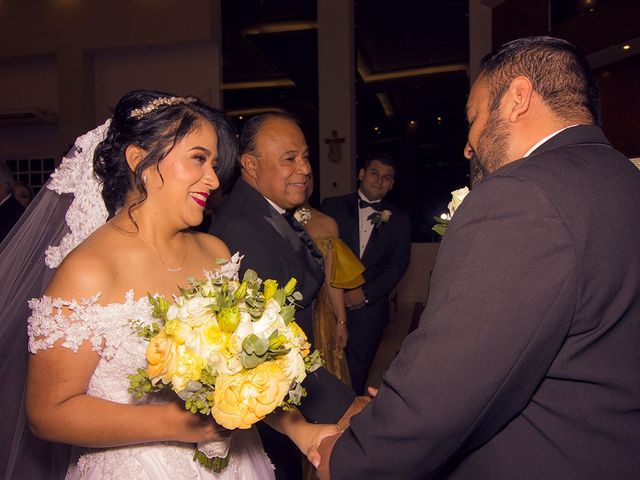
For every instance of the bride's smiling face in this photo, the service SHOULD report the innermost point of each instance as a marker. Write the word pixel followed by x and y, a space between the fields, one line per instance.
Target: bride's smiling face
pixel 184 179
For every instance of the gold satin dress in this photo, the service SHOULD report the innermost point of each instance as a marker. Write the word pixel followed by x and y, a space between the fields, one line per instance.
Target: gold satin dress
pixel 346 273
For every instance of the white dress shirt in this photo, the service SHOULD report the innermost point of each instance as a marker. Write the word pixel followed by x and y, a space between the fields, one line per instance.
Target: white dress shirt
pixel 366 227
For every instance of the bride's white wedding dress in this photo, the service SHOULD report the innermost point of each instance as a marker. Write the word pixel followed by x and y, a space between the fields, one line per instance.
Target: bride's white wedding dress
pixel 109 330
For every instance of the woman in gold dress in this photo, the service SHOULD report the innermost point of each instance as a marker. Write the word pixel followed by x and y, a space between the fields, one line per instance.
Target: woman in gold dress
pixel 343 270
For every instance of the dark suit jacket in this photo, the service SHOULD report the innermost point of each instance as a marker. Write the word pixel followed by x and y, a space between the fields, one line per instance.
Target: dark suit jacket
pixel 247 223
pixel 10 212
pixel 526 363
pixel 386 256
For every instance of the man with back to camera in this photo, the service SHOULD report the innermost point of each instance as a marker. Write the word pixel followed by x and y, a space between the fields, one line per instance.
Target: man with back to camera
pixel 525 364
pixel 380 234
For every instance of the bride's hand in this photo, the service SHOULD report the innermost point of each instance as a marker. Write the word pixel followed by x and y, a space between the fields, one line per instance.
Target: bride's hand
pixel 317 433
pixel 191 428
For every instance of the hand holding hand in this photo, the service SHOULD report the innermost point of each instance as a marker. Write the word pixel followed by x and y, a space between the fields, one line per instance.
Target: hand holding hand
pixel 318 433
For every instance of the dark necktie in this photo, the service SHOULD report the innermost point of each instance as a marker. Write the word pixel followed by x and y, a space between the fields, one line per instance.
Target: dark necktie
pixel 364 204
pixel 305 238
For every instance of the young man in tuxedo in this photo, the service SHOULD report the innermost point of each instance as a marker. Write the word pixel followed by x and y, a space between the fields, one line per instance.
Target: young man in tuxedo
pixel 255 220
pixel 526 362
pixel 380 234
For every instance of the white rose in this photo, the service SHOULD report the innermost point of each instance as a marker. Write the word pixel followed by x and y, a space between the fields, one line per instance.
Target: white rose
pixel 270 320
pixel 196 311
pixel 293 365
pixel 457 196
pixel 234 365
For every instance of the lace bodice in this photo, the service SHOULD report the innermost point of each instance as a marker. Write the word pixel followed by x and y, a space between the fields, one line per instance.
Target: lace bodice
pixel 111 332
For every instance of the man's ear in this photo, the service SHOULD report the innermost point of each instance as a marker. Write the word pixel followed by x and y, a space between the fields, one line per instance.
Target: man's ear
pixel 361 174
pixel 519 98
pixel 134 155
pixel 249 164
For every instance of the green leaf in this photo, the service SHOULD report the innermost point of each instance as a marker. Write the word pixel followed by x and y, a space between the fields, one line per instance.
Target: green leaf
pixel 287 312
pixel 250 361
pixel 440 229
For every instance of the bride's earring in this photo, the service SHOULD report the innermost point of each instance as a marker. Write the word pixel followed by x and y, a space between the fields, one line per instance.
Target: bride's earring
pixel 144 179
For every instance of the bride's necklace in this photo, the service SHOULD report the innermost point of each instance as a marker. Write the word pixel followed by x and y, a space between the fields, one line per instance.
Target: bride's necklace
pixel 155 249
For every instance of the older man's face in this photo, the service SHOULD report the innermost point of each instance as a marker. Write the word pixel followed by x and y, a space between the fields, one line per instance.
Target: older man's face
pixel 489 134
pixel 282 163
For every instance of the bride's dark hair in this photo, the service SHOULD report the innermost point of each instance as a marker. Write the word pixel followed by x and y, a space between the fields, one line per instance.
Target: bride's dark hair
pixel 156 128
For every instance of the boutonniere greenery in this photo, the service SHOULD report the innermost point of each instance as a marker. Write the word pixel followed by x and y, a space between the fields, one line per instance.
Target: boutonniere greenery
pixel 442 222
pixel 378 219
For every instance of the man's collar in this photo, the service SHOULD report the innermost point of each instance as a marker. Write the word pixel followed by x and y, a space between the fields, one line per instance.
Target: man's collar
pixel 364 197
pixel 278 209
pixel 548 137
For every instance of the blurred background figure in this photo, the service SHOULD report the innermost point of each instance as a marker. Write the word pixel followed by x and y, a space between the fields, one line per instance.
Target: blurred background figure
pixel 10 208
pixel 23 193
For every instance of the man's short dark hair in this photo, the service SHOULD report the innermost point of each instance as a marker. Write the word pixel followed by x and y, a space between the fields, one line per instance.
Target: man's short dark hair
pixel 383 158
pixel 252 127
pixel 558 72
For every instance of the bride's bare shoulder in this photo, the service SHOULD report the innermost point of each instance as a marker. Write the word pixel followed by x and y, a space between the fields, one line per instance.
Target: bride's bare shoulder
pixel 211 246
pixel 87 269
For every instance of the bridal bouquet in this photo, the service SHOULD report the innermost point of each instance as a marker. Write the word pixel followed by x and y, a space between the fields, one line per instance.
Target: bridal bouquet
pixel 228 348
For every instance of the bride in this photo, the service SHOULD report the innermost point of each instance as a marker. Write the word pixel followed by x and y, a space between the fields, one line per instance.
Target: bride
pixel 156 163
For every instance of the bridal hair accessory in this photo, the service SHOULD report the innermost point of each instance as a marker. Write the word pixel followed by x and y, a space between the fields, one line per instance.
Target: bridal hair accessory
pixel 75 175
pixel 159 102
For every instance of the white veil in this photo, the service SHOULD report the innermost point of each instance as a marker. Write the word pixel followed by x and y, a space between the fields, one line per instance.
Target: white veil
pixel 65 211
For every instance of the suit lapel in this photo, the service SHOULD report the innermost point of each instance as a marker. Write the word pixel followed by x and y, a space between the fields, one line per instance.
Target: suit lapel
pixel 284 230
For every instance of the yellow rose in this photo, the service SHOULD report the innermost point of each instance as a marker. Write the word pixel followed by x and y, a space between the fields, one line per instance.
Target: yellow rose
pixel 187 367
pixel 161 354
pixel 215 338
pixel 177 330
pixel 269 289
pixel 246 398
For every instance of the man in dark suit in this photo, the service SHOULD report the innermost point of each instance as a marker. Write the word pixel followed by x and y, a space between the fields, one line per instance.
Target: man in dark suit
pixel 526 362
pixel 254 220
pixel 380 234
pixel 10 208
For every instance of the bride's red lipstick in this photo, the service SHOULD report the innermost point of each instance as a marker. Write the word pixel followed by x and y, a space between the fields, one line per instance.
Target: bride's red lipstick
pixel 200 201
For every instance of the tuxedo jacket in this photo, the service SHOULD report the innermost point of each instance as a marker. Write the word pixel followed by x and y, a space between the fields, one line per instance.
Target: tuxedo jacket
pixel 10 212
pixel 248 224
pixel 526 362
pixel 386 256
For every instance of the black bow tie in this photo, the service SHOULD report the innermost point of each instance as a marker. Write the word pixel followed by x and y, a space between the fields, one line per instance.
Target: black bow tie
pixel 364 204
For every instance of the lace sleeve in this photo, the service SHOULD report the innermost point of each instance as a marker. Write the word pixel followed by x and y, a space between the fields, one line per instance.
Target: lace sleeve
pixel 53 319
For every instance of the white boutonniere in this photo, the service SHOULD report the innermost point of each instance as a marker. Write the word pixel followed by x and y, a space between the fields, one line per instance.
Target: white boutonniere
pixel 457 196
pixel 302 215
pixel 378 219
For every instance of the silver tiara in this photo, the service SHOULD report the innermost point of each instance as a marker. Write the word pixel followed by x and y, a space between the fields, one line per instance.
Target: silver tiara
pixel 159 102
